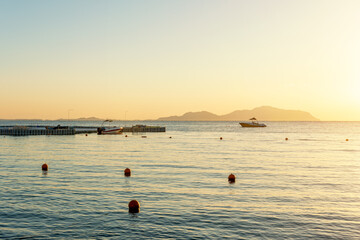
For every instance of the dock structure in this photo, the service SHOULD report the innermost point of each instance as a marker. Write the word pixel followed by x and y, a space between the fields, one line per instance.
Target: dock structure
pixel 27 131
pixel 65 130
pixel 144 128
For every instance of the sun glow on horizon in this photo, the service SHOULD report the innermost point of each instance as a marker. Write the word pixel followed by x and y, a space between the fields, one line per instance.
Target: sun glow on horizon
pixel 155 59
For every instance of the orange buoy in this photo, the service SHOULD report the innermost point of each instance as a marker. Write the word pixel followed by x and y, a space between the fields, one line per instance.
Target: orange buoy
pixel 231 178
pixel 44 167
pixel 220 138
pixel 286 139
pixel 134 206
pixel 127 172
pixel 126 136
pixel 347 139
pixel 85 135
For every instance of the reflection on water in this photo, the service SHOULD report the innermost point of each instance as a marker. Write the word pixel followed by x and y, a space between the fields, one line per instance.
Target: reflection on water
pixel 306 187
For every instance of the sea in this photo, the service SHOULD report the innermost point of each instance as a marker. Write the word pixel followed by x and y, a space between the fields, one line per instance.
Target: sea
pixel 306 187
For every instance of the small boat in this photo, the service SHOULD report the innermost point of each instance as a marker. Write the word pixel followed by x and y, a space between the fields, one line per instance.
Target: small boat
pixel 109 130
pixel 114 130
pixel 253 123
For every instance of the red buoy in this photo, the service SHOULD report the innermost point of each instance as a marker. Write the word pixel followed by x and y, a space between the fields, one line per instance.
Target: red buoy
pixel 86 135
pixel 127 172
pixel 126 135
pixel 44 167
pixel 134 206
pixel 231 178
pixel 286 139
pixel 220 138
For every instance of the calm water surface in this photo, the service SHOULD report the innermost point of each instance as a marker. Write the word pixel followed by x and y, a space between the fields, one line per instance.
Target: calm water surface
pixel 306 187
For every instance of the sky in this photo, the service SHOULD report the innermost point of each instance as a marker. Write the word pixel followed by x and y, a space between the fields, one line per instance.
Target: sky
pixel 145 59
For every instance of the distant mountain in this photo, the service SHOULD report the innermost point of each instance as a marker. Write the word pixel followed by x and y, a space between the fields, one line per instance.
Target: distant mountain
pixel 81 119
pixel 90 119
pixel 193 116
pixel 264 113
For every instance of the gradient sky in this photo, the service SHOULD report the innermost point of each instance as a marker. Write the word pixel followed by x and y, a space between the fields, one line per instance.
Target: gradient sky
pixel 155 58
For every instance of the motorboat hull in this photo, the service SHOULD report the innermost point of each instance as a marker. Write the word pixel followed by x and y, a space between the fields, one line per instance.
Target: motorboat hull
pixel 110 131
pixel 253 124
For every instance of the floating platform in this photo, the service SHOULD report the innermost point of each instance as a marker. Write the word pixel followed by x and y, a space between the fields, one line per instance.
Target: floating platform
pixel 27 131
pixel 144 128
pixel 65 130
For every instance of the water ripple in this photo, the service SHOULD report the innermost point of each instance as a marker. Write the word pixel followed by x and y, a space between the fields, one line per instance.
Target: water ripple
pixel 304 188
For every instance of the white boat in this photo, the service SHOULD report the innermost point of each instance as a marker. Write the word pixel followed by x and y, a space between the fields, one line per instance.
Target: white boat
pixel 109 130
pixel 253 123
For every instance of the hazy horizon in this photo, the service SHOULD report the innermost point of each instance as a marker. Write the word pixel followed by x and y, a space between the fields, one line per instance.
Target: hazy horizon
pixel 263 113
pixel 140 60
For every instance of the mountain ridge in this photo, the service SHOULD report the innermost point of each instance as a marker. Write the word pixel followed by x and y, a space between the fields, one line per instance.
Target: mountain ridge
pixel 263 113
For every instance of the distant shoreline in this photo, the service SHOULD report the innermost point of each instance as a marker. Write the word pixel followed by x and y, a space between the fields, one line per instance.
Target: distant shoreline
pixel 149 120
pixel 264 113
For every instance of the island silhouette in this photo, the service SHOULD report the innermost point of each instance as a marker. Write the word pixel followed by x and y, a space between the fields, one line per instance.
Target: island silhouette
pixel 264 113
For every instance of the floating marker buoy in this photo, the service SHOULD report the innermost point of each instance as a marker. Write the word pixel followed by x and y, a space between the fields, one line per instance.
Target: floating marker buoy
pixel 144 136
pixel 220 138
pixel 170 137
pixel 231 178
pixel 126 136
pixel 286 139
pixel 347 139
pixel 134 206
pixel 85 135
pixel 127 172
pixel 44 167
